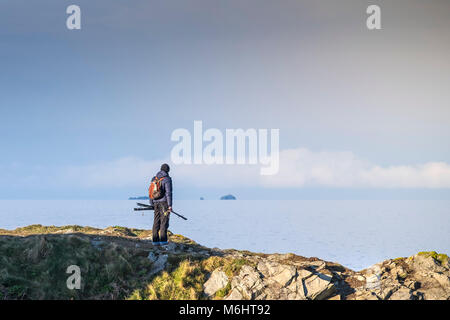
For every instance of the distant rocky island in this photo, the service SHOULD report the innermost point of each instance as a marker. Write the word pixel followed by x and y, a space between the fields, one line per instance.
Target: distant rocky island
pixel 123 264
pixel 228 197
pixel 138 198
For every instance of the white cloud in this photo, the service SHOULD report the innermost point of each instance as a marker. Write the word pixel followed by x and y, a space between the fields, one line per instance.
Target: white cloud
pixel 302 167
pixel 298 168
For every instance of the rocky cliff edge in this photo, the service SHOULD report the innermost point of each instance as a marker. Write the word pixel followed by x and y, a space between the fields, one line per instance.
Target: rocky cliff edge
pixel 122 263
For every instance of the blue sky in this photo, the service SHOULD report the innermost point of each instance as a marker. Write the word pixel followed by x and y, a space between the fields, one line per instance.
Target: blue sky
pixel 89 113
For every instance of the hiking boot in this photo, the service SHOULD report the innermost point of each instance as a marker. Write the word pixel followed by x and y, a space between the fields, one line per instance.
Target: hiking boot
pixel 156 243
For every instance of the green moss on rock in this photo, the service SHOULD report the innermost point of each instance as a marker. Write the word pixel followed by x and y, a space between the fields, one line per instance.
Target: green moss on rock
pixel 439 257
pixel 224 291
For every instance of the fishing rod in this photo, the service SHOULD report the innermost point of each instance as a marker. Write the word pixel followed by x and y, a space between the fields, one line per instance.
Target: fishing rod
pixel 144 206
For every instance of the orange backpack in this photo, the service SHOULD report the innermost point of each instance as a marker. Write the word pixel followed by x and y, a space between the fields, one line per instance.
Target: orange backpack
pixel 155 190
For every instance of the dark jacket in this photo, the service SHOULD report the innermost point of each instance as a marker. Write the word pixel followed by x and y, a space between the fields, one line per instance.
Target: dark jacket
pixel 166 186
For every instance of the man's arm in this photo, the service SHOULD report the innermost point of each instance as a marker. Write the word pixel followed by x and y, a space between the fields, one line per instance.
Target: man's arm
pixel 169 192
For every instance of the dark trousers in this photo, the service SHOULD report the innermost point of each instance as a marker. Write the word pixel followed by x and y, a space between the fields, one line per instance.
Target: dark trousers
pixel 160 221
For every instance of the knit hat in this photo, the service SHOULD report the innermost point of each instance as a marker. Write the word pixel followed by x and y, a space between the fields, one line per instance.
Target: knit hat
pixel 165 167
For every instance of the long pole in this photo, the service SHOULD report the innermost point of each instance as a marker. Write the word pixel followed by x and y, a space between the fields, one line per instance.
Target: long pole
pixel 149 207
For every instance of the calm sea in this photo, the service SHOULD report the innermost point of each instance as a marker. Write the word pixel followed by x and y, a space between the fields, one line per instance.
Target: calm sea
pixel 354 233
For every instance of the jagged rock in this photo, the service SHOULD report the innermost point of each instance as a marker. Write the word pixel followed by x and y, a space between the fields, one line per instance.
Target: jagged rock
pixel 318 287
pixel 152 256
pixel 159 262
pixel 303 273
pixel 373 281
pixel 282 274
pixel 360 278
pixel 386 291
pixel 443 280
pixel 248 282
pixel 434 294
pixel 317 265
pixel 411 284
pixel 297 290
pixel 168 247
pixel 401 294
pixel 234 295
pixel 217 280
pixel 285 276
pixel 426 263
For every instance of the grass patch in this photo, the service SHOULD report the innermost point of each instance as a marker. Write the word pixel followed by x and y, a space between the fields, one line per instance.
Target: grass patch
pixel 35 268
pixel 234 267
pixel 439 257
pixel 398 259
pixel 222 293
pixel 40 229
pixel 184 277
pixel 34 260
pixel 183 283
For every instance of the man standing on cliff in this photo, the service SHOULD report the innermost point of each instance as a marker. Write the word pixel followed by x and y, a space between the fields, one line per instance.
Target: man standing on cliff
pixel 161 198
